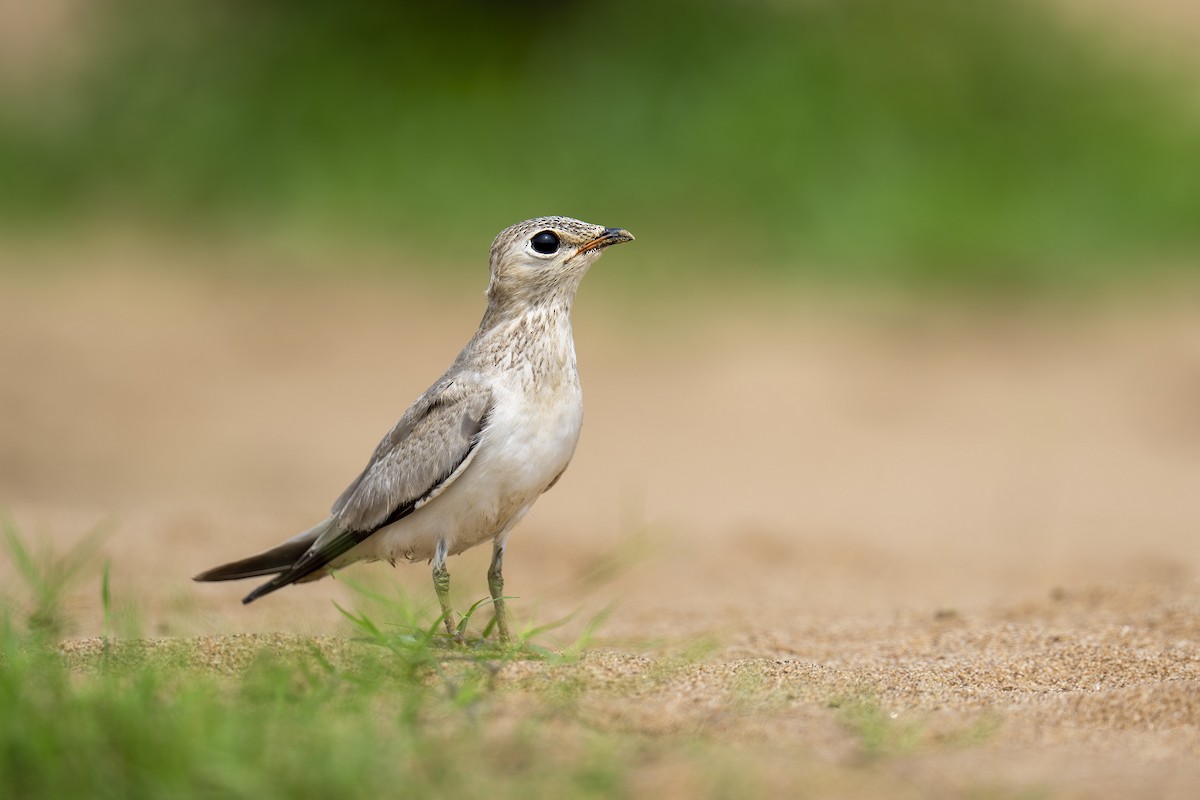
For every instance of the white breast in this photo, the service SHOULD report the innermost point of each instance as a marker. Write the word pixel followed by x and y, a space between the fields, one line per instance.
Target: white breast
pixel 529 438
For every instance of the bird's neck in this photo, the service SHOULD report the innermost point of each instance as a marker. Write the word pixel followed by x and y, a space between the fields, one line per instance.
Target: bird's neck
pixel 536 337
pixel 507 307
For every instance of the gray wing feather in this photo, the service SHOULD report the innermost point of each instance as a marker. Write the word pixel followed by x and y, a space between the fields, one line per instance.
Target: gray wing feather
pixel 420 457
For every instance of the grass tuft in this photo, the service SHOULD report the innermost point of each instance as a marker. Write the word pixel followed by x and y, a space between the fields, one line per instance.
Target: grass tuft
pixel 47 576
pixel 401 705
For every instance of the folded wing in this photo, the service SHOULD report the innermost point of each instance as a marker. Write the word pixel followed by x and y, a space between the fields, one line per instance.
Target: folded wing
pixel 430 447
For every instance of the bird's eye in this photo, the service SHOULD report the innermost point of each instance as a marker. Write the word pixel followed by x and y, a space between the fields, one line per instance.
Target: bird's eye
pixel 545 242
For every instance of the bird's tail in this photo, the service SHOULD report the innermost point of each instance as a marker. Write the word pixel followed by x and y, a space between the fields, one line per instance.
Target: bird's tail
pixel 279 561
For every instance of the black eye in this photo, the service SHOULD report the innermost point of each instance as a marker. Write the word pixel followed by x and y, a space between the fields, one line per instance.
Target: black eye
pixel 545 242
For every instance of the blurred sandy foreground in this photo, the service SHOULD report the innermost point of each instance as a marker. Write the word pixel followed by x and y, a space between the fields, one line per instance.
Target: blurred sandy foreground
pixel 958 511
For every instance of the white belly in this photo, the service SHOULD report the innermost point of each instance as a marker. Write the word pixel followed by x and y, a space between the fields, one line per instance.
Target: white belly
pixel 528 441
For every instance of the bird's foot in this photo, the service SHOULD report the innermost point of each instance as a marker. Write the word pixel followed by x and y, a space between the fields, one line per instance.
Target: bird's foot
pixel 501 623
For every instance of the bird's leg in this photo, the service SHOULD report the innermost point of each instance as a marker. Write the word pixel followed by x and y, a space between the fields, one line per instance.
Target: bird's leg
pixel 496 585
pixel 441 585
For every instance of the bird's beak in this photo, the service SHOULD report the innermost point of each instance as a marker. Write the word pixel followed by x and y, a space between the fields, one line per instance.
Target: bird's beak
pixel 609 237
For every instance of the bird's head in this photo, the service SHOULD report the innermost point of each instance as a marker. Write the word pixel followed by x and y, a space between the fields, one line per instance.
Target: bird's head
pixel 543 257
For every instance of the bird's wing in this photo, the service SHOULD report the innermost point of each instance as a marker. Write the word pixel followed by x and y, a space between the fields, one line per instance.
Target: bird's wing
pixel 431 445
pixel 419 458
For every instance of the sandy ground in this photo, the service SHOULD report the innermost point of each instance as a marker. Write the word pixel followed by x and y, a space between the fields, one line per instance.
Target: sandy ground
pixel 986 521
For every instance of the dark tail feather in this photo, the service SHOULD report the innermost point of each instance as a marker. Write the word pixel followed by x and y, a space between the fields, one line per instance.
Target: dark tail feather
pixel 278 582
pixel 311 562
pixel 277 559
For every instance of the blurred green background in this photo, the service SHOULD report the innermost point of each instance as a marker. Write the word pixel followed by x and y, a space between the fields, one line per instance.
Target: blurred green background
pixel 928 142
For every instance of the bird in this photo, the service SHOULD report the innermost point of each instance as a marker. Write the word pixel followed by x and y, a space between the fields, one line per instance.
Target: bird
pixel 470 456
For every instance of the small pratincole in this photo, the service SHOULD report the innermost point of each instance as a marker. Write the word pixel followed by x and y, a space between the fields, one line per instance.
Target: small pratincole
pixel 472 454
